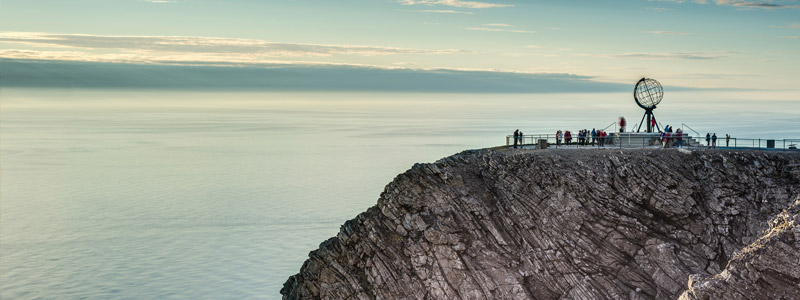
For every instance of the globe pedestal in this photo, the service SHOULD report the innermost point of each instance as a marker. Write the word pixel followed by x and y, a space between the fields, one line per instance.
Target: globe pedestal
pixel 651 119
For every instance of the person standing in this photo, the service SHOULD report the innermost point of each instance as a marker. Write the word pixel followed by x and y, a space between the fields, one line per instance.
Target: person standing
pixel 727 140
pixel 559 135
pixel 714 141
pixel 622 124
pixel 594 136
pixel 708 140
pixel 521 141
pixel 516 138
pixel 602 137
pixel 678 138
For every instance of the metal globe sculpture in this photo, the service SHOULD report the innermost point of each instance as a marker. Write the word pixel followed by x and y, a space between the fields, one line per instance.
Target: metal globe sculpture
pixel 648 93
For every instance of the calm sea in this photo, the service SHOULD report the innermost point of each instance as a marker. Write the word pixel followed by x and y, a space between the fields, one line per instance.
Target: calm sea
pixel 153 195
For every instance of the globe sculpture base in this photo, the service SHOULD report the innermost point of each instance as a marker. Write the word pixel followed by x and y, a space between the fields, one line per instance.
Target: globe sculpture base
pixel 651 119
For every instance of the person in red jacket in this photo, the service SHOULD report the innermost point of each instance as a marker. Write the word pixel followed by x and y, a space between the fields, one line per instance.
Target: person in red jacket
pixel 602 135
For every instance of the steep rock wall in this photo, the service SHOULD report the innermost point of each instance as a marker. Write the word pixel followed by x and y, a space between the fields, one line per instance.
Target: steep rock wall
pixel 575 224
pixel 769 268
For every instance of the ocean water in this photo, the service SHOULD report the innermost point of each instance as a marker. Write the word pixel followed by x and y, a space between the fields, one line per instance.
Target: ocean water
pixel 189 195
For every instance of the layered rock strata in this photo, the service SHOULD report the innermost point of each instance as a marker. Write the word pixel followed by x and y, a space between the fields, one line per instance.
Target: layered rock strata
pixel 769 268
pixel 568 224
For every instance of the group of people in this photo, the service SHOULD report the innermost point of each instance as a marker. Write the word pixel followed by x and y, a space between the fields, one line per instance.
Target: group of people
pixel 517 138
pixel 671 138
pixel 584 137
pixel 711 140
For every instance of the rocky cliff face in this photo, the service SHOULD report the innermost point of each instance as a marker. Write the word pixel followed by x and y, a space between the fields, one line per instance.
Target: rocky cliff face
pixel 573 224
pixel 766 269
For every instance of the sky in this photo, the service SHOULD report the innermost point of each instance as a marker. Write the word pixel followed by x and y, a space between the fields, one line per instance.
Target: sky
pixel 471 46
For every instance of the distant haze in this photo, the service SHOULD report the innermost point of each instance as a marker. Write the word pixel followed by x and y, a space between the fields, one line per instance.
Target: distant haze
pixel 71 74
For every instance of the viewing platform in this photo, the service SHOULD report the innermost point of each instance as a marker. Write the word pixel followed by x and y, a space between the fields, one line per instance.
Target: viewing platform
pixel 652 140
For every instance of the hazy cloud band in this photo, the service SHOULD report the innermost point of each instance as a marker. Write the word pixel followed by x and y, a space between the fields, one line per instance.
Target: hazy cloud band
pixel 247 48
pixel 71 74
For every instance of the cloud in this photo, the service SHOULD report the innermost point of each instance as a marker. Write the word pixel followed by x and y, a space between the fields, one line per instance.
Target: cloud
pixel 660 56
pixel 665 55
pixel 658 8
pixel 447 11
pixel 668 32
pixel 680 1
pixel 499 30
pixel 766 4
pixel 740 3
pixel 181 48
pixel 277 77
pixel 498 25
pixel 790 26
pixel 454 3
pixel 716 75
pixel 441 11
pixel 794 37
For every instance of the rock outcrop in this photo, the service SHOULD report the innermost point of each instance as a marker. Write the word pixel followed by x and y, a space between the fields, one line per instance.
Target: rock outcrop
pixel 571 224
pixel 767 269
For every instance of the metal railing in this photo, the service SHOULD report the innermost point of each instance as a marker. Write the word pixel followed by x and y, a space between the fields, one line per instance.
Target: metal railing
pixel 609 125
pixel 654 140
pixel 690 128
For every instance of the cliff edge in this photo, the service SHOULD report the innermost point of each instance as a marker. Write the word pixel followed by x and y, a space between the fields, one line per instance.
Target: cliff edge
pixel 572 224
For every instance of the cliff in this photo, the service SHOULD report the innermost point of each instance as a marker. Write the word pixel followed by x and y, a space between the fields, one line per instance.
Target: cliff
pixel 573 224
